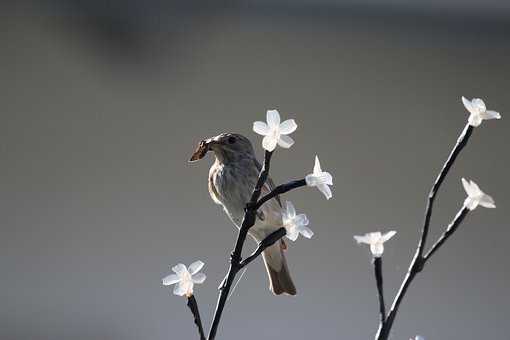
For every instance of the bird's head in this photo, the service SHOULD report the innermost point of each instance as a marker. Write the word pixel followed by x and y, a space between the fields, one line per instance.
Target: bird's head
pixel 227 147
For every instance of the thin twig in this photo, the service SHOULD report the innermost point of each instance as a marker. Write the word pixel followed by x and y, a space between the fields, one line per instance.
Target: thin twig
pixel 266 242
pixel 237 282
pixel 193 306
pixel 281 189
pixel 461 143
pixel 379 281
pixel 418 261
pixel 448 232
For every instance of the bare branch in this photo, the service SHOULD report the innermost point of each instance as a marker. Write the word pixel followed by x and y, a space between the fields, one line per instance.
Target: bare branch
pixel 379 281
pixel 448 232
pixel 461 143
pixel 418 261
pixel 193 306
pixel 266 242
pixel 281 189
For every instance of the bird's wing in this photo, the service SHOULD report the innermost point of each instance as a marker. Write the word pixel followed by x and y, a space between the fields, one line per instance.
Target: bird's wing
pixel 266 189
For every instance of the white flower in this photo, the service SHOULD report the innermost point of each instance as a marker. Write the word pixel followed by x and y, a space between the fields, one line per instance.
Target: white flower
pixel 295 224
pixel 184 278
pixel 376 241
pixel 274 132
pixel 478 111
pixel 476 196
pixel 320 179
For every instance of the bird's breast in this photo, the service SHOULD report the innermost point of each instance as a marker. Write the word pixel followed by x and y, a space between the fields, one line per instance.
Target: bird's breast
pixel 231 186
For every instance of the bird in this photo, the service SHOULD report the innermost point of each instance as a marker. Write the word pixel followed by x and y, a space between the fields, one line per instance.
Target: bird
pixel 232 177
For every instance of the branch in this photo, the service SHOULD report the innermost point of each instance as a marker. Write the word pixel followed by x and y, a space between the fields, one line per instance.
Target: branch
pixel 448 232
pixel 461 143
pixel 265 243
pixel 192 304
pixel 281 189
pixel 235 258
pixel 236 262
pixel 418 261
pixel 379 281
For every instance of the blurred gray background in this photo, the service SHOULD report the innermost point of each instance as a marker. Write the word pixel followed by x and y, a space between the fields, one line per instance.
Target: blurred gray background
pixel 102 103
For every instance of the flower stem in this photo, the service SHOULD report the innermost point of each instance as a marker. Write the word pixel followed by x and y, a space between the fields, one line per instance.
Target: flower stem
pixel 193 306
pixel 379 281
pixel 452 227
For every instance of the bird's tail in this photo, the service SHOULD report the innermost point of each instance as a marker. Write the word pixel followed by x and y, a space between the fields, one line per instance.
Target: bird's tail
pixel 280 281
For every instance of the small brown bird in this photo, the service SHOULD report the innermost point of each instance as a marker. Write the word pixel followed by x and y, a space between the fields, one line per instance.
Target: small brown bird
pixel 232 178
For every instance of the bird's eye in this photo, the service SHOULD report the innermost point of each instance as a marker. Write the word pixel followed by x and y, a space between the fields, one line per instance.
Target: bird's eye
pixel 231 140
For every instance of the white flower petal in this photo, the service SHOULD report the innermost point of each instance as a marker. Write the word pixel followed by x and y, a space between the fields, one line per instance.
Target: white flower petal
pixel 465 184
pixel 288 127
pixel 181 288
pixel 362 239
pixel 170 279
pixel 317 166
pixel 269 143
pixel 306 232
pixel 325 178
pixel 195 267
pixel 475 120
pixel 470 190
pixel 478 111
pixel 198 278
pixel 475 188
pixel 478 104
pixel 292 234
pixel 476 196
pixel 261 128
pixel 311 180
pixel 377 249
pixel 285 141
pixel 388 235
pixel 376 241
pixel 375 237
pixel 301 220
pixel 469 106
pixel 470 203
pixel 273 119
pixel 487 202
pixel 490 115
pixel 179 269
pixel 291 211
pixel 325 190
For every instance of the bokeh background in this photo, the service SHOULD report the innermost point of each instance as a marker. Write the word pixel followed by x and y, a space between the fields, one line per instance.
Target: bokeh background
pixel 102 103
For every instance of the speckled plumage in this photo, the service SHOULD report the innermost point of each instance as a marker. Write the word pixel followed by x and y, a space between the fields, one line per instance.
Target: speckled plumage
pixel 232 178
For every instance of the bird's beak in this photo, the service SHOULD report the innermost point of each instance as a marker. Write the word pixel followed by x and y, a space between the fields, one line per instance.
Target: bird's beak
pixel 201 150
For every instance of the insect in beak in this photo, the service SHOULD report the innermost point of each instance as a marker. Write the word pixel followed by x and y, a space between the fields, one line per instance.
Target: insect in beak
pixel 202 149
